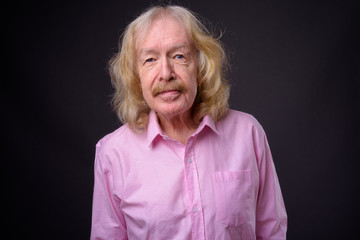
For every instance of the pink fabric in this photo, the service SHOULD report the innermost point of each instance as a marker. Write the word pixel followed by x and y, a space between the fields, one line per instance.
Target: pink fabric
pixel 221 185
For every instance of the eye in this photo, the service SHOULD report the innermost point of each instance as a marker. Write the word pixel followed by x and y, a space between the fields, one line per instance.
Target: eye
pixel 149 60
pixel 179 56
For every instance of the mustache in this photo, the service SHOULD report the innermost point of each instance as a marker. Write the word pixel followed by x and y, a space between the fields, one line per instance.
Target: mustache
pixel 163 86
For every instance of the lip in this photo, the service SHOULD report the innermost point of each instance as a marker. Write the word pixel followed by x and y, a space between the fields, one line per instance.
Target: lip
pixel 169 92
pixel 169 95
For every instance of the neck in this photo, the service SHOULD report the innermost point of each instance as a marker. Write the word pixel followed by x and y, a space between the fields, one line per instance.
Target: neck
pixel 179 128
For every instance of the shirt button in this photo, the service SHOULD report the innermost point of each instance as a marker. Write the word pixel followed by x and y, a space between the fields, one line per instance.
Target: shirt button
pixel 189 161
pixel 195 209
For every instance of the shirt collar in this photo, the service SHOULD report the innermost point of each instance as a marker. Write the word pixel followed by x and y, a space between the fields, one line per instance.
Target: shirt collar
pixel 154 130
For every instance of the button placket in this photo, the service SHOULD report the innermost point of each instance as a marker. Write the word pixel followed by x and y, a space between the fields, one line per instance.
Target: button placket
pixel 193 185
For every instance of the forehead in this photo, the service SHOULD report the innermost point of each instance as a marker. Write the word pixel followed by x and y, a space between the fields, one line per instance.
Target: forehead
pixel 162 32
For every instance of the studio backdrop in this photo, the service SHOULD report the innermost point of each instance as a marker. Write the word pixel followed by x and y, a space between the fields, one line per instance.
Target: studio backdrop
pixel 294 66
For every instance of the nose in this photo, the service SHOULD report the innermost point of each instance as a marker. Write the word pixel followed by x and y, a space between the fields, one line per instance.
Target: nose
pixel 167 70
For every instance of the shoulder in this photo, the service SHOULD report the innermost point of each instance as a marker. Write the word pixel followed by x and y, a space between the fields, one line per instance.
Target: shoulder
pixel 242 128
pixel 113 137
pixel 240 119
pixel 237 124
pixel 117 140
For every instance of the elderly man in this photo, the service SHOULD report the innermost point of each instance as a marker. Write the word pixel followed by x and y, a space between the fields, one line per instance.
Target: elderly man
pixel 183 166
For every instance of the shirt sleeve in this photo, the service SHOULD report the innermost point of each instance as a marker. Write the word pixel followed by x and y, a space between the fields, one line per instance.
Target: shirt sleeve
pixel 108 222
pixel 271 217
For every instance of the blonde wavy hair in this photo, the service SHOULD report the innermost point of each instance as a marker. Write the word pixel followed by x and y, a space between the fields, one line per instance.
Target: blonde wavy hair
pixel 213 90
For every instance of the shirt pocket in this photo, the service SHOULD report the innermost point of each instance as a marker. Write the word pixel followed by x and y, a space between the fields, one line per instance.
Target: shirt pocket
pixel 232 197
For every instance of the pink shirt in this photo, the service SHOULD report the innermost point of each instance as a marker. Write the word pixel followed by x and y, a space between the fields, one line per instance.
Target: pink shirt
pixel 221 185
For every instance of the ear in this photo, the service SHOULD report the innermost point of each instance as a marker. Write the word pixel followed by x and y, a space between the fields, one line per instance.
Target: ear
pixel 200 61
pixel 199 81
pixel 140 87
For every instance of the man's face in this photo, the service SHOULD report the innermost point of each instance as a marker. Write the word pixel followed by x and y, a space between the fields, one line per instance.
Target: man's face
pixel 167 67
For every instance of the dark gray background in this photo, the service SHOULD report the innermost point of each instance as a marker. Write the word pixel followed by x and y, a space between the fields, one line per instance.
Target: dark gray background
pixel 295 67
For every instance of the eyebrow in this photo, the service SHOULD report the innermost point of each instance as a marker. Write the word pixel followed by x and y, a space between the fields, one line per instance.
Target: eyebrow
pixel 176 47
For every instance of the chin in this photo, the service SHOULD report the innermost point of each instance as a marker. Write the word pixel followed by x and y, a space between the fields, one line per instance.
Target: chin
pixel 169 112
